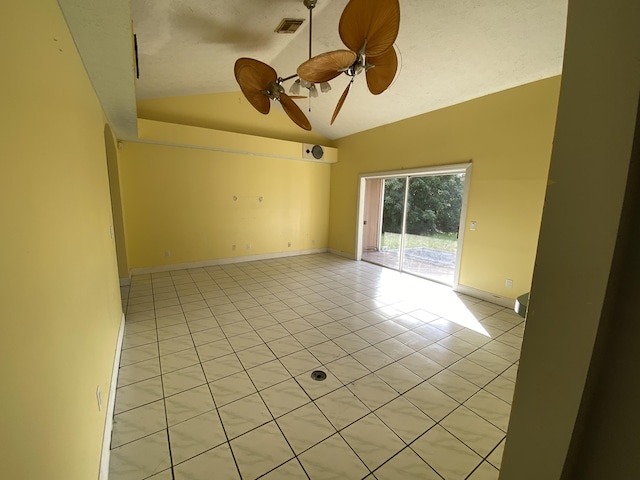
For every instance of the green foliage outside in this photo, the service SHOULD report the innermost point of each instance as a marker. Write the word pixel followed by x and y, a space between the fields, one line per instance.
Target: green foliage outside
pixel 434 204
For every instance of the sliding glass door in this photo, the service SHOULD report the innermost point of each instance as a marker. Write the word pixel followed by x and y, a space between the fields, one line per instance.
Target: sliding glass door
pixel 419 220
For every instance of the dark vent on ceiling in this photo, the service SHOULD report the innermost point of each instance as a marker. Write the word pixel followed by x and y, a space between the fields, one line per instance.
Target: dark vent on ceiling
pixel 289 25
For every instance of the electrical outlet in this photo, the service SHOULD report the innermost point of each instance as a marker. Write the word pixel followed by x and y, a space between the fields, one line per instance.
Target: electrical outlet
pixel 99 398
pixel 473 226
pixel 289 244
pixel 233 247
pixel 167 253
pixel 508 283
pixel 248 246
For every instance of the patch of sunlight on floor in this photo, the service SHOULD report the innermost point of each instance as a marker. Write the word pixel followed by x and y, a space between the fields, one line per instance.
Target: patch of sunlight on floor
pixel 430 296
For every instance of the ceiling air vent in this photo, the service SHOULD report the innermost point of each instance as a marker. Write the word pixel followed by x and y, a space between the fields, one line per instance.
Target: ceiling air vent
pixel 289 25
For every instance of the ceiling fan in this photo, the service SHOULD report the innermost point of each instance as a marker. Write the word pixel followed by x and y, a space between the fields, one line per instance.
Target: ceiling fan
pixel 260 84
pixel 367 27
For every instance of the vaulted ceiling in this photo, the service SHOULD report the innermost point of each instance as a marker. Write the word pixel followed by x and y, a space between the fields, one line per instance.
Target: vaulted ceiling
pixel 450 51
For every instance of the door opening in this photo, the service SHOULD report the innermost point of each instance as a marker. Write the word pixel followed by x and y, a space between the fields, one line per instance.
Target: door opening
pixel 410 221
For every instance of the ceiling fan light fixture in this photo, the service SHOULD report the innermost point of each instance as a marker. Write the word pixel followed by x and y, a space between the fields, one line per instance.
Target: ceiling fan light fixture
pixel 325 87
pixel 295 88
pixel 304 83
pixel 313 91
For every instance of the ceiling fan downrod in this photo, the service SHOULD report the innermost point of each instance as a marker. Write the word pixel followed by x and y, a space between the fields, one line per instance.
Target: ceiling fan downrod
pixel 310 4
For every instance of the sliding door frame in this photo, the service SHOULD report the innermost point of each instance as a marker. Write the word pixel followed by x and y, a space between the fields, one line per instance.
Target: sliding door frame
pixel 416 172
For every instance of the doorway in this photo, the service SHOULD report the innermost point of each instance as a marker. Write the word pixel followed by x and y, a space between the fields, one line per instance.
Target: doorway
pixel 410 221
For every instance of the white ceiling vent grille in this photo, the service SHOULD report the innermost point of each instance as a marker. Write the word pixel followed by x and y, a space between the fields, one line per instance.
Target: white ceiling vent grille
pixel 289 25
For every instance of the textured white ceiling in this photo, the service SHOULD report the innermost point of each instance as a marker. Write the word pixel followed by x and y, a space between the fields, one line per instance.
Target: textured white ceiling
pixel 450 51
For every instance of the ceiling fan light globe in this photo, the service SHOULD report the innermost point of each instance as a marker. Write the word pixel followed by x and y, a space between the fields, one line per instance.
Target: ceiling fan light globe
pixel 295 88
pixel 305 83
pixel 313 91
pixel 325 87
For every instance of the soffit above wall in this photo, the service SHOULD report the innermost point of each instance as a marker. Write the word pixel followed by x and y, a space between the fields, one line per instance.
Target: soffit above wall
pixel 102 32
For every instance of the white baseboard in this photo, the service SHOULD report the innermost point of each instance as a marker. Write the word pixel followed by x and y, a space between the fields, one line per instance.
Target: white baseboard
pixel 340 253
pixel 124 282
pixel 224 261
pixel 489 297
pixel 108 426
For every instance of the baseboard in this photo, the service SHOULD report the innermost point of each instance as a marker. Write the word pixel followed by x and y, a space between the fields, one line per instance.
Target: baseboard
pixel 489 297
pixel 340 253
pixel 125 282
pixel 108 425
pixel 224 261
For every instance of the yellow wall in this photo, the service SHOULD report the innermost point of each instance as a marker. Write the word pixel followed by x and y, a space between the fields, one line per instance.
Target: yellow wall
pixel 180 200
pixel 58 277
pixel 227 111
pixel 507 136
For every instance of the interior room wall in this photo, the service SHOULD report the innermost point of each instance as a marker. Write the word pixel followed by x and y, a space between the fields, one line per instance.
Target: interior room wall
pixel 581 226
pixel 180 200
pixel 227 111
pixel 59 290
pixel 508 138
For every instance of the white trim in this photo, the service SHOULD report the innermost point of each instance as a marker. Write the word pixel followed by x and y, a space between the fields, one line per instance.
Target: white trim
pixel 362 187
pixel 462 226
pixel 489 297
pixel 223 261
pixel 108 426
pixel 413 172
pixel 124 282
pixel 340 253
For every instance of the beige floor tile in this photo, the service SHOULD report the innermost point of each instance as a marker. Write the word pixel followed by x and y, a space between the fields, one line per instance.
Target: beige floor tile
pixel 344 463
pixel 446 454
pixel 261 450
pixel 196 435
pixel 407 465
pixel 219 460
pixel 372 441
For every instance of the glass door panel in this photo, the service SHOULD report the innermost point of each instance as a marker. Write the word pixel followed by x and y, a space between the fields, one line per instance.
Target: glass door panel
pixel 391 212
pixel 432 220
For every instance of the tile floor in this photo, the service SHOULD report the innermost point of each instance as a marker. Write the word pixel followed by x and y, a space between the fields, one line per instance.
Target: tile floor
pixel 215 376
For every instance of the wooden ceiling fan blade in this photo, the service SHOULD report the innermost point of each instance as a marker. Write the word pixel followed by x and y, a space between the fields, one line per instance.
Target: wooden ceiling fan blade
pixel 297 97
pixel 294 112
pixel 376 21
pixel 384 71
pixel 253 77
pixel 341 101
pixel 326 66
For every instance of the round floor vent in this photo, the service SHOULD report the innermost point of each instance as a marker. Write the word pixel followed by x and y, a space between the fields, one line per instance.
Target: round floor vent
pixel 318 375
